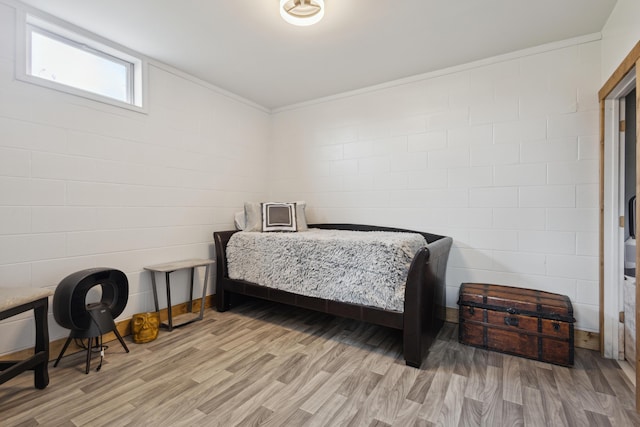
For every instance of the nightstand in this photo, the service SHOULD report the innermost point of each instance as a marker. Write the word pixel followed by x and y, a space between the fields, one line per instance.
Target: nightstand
pixel 168 268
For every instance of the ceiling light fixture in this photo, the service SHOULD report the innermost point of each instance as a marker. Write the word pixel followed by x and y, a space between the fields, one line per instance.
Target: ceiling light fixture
pixel 302 12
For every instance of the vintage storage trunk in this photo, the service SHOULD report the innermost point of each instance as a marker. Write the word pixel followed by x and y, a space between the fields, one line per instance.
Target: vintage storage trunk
pixel 523 322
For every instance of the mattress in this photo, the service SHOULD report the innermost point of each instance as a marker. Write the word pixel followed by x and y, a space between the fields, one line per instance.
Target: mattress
pixel 361 267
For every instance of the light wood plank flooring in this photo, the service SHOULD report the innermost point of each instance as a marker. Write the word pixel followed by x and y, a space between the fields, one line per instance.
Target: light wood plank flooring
pixel 269 364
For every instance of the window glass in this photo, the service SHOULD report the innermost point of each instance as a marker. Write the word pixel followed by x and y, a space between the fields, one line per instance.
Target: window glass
pixel 65 62
pixel 57 55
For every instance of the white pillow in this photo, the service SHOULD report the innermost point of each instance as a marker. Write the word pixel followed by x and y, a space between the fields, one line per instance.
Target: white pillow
pixel 239 220
pixel 301 216
pixel 252 217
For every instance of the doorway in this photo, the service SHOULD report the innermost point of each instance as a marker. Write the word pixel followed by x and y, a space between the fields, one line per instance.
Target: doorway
pixel 627 344
pixel 612 96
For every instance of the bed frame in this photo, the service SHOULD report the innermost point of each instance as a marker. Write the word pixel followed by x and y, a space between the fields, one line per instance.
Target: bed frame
pixel 424 307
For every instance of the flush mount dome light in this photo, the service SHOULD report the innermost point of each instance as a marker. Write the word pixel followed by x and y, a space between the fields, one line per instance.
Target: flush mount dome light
pixel 302 12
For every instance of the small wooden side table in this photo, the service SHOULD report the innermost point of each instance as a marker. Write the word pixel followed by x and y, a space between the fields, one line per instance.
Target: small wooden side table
pixel 168 268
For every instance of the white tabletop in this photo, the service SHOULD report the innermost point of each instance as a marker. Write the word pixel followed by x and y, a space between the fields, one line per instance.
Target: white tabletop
pixel 168 267
pixel 13 297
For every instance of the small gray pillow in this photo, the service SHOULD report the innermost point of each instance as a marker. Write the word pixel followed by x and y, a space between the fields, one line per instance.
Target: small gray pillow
pixel 279 217
pixel 253 216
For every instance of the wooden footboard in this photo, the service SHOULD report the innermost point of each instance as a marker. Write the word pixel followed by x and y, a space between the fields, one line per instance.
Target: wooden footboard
pixel 424 307
pixel 424 300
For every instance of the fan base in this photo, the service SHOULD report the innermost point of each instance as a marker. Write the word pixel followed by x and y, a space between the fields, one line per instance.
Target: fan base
pixel 101 323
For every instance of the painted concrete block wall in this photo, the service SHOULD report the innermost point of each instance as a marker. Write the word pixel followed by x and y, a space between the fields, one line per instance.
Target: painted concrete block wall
pixel 619 35
pixel 84 184
pixel 502 155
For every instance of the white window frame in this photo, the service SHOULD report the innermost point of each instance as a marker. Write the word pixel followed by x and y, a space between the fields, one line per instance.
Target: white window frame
pixel 54 28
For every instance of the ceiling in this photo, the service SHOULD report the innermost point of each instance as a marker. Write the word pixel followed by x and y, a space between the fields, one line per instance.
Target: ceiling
pixel 245 47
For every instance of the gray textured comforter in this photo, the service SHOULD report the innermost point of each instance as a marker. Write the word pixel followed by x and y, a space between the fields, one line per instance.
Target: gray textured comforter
pixel 368 268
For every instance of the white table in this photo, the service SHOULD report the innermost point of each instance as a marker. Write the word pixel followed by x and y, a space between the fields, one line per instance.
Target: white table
pixel 168 268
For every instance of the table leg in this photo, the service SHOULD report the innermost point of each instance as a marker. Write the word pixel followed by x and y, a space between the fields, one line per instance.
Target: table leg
pixel 155 291
pixel 170 316
pixel 190 303
pixel 41 371
pixel 204 291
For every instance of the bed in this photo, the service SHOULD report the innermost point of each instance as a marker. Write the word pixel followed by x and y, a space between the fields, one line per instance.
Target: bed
pixel 419 313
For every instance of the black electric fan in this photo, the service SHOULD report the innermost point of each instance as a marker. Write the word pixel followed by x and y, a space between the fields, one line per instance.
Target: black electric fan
pixel 92 320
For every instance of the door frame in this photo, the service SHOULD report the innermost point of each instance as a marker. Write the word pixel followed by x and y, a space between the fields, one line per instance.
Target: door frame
pixel 626 75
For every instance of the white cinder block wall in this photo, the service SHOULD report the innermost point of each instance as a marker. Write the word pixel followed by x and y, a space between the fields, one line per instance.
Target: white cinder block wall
pixel 619 35
pixel 502 155
pixel 83 184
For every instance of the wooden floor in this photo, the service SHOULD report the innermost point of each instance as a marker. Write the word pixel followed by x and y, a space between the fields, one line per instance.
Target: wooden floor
pixel 268 364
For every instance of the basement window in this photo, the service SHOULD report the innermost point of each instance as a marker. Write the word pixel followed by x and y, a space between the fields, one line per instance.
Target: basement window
pixel 71 62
